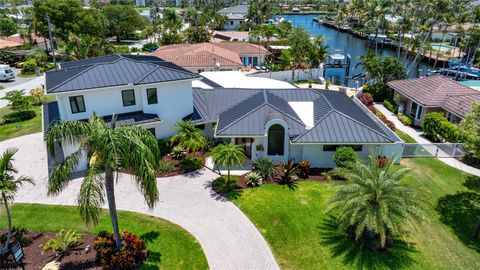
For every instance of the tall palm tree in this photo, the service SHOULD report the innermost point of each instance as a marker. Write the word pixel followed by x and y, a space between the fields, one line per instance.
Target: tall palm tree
pixel 228 155
pixel 109 150
pixel 266 31
pixel 189 136
pixel 374 201
pixel 171 20
pixel 9 186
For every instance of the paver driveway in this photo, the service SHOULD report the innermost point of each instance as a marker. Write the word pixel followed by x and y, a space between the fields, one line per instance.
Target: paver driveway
pixel 228 238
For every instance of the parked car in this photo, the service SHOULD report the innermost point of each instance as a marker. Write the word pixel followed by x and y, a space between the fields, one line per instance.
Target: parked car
pixel 6 73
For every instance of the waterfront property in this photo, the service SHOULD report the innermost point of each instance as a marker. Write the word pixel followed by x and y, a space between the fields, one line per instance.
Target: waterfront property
pixel 417 97
pixel 221 56
pixel 236 16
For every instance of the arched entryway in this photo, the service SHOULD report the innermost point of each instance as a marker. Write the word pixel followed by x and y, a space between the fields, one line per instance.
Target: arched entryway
pixel 276 140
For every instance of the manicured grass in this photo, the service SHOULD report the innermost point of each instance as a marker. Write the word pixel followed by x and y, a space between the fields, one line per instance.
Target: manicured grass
pixel 13 130
pixel 28 75
pixel 170 247
pixel 405 137
pixel 303 236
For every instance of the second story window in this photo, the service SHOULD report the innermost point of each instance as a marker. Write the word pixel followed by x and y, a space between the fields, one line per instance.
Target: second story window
pixel 152 96
pixel 128 97
pixel 77 104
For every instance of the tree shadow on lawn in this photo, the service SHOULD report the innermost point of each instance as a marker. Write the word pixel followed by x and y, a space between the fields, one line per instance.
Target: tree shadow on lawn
pixel 154 257
pixel 461 213
pixel 353 254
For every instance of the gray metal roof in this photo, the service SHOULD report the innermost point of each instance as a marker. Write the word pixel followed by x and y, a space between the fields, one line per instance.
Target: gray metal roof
pixel 238 9
pixel 244 112
pixel 113 70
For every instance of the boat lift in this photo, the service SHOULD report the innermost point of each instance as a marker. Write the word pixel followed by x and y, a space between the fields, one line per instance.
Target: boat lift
pixel 338 60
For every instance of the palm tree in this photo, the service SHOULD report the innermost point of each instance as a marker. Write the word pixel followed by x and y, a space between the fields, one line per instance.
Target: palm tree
pixel 370 63
pixel 374 203
pixel 189 137
pixel 171 20
pixel 228 155
pixel 109 149
pixel 9 186
pixel 266 31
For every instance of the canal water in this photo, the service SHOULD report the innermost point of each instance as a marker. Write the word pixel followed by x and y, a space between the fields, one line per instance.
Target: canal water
pixel 347 44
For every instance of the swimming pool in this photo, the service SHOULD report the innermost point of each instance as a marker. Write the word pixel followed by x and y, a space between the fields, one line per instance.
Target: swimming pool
pixel 442 48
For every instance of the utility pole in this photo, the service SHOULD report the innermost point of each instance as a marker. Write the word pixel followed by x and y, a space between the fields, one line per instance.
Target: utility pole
pixel 52 45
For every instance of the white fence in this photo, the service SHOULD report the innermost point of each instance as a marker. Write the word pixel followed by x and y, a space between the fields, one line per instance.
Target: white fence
pixel 291 75
pixel 440 150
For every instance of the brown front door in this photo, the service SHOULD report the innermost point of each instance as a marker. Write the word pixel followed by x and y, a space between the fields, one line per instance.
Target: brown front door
pixel 246 144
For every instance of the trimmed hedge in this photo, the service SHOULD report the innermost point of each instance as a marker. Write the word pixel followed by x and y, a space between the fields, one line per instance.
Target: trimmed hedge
pixel 436 125
pixel 388 105
pixel 20 116
pixel 345 155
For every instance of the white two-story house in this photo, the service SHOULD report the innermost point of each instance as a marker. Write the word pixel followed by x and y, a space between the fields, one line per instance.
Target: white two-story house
pixel 138 89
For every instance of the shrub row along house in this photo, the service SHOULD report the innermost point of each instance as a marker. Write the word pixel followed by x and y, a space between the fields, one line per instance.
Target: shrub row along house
pixel 283 124
pixel 417 97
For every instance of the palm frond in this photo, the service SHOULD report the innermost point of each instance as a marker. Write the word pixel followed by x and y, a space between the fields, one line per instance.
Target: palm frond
pixel 69 132
pixel 90 199
pixel 62 172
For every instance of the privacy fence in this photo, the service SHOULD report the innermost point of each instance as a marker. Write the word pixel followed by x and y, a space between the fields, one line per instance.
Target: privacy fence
pixel 291 75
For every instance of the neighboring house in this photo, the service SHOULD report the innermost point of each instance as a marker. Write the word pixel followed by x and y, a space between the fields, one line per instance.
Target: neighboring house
pixel 250 54
pixel 297 124
pixel 417 97
pixel 220 36
pixel 223 56
pixel 140 90
pixel 236 15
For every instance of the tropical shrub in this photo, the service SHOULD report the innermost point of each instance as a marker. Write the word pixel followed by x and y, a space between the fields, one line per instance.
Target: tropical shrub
pixel 304 169
pixel 228 155
pixel 366 99
pixel 177 152
pixel 189 136
pixel 387 122
pixel 345 156
pixel 253 179
pixel 265 167
pixel 166 166
pixel 436 125
pixel 63 242
pixel 374 205
pixel 223 185
pixel 379 92
pixel 388 105
pixel 382 161
pixel 405 119
pixel 17 101
pixel 29 67
pixel 288 171
pixel 190 164
pixel 38 93
pixel 164 145
pixel 131 256
pixel 15 117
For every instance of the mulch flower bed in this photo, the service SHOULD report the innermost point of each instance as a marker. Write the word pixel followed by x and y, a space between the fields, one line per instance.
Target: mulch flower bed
pixel 179 171
pixel 35 257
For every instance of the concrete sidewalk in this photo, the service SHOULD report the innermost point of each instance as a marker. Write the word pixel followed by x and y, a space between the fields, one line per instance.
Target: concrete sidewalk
pixel 418 136
pixel 228 238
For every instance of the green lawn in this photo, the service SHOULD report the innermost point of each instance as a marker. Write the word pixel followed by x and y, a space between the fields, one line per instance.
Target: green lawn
pixel 170 247
pixel 302 236
pixel 30 126
pixel 13 130
pixel 405 137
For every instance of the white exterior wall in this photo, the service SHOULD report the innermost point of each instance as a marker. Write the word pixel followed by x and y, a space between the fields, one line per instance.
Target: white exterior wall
pixel 69 149
pixel 175 101
pixel 287 75
pixel 232 24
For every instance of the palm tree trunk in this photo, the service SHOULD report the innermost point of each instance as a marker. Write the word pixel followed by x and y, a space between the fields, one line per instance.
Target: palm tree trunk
pixel 9 220
pixel 438 51
pixel 477 230
pixel 109 186
pixel 228 173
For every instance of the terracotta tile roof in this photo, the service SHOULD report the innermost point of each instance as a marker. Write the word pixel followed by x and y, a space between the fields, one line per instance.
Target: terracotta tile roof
pixel 243 47
pixel 198 55
pixel 5 43
pixel 438 91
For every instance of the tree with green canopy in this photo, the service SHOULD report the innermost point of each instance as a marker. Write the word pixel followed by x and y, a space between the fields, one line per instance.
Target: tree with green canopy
pixel 188 136
pixel 122 21
pixel 228 155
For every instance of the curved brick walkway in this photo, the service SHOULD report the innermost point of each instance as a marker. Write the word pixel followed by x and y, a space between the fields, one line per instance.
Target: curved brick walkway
pixel 228 238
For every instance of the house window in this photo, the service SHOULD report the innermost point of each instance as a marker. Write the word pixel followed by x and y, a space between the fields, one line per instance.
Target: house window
pixel 231 22
pixel 255 61
pixel 453 118
pixel 333 148
pixel 128 97
pixel 77 104
pixel 152 130
pixel 276 140
pixel 416 111
pixel 152 96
